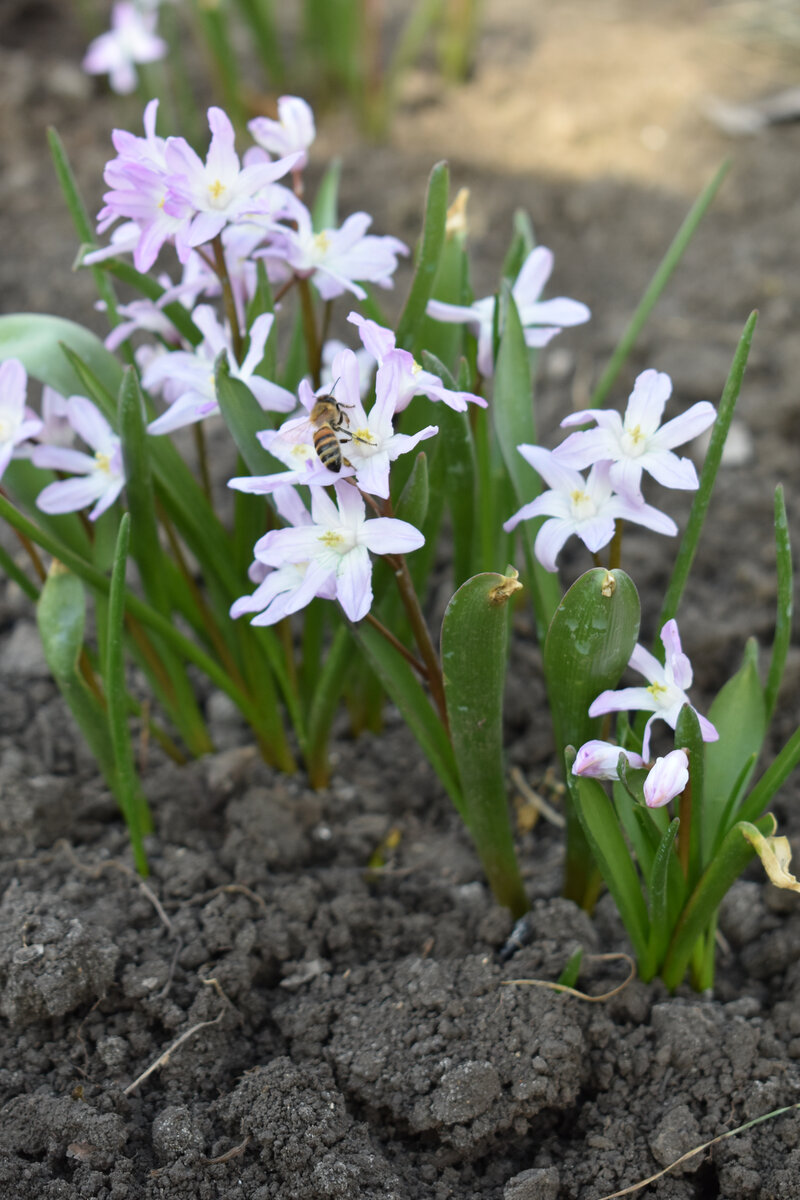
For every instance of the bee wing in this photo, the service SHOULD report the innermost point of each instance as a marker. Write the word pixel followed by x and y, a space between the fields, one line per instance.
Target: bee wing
pixel 293 443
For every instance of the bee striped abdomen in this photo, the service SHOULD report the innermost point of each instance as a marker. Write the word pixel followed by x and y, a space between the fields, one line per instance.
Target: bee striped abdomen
pixel 328 448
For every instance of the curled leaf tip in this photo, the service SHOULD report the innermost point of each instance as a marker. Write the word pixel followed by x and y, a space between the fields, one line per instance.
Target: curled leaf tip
pixel 608 585
pixel 509 583
pixel 775 854
pixel 456 222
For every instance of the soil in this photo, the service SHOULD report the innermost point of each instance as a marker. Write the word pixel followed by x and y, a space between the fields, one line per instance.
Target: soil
pixel 313 1028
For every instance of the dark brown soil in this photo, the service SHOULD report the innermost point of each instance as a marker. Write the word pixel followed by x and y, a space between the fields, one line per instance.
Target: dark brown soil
pixel 319 1030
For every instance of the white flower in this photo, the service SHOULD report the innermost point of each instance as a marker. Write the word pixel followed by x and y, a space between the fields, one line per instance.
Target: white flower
pixel 638 442
pixel 293 131
pixel 588 507
pixel 132 39
pixel 334 548
pixel 17 422
pixel 541 319
pixel 99 477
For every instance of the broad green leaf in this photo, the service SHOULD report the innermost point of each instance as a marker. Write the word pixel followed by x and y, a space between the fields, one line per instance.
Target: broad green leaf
pixel 36 340
pixel 773 778
pixel 739 716
pixel 61 617
pixel 589 643
pixel 474 659
pixel 433 235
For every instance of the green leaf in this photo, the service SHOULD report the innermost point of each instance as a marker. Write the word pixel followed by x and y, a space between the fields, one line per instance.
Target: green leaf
pixel 433 235
pixel 740 718
pixel 406 692
pixel 132 802
pixel 665 269
pixel 663 897
pixel 522 242
pixel 145 544
pixel 514 424
pixel 589 643
pixel 165 669
pixel 569 976
pixel 612 856
pixel 773 778
pixel 708 475
pixel 37 340
pixel 126 273
pixel 783 618
pixel 80 219
pixel 722 872
pixel 244 417
pixel 325 210
pixel 413 503
pixel 61 617
pixel 688 737
pixel 474 659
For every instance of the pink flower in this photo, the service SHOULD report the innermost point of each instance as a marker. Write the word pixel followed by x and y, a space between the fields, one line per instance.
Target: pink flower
pixel 284 590
pixel 667 779
pixel 334 259
pixel 218 192
pixel 599 760
pixel 665 694
pixel 410 378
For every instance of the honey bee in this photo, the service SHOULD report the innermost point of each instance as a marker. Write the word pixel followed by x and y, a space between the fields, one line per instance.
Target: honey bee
pixel 329 418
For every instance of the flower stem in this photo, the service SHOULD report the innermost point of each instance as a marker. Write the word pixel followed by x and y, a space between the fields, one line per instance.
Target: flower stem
pixel 685 832
pixel 422 637
pixel 221 271
pixel 615 553
pixel 202 458
pixel 313 348
pixel 398 645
